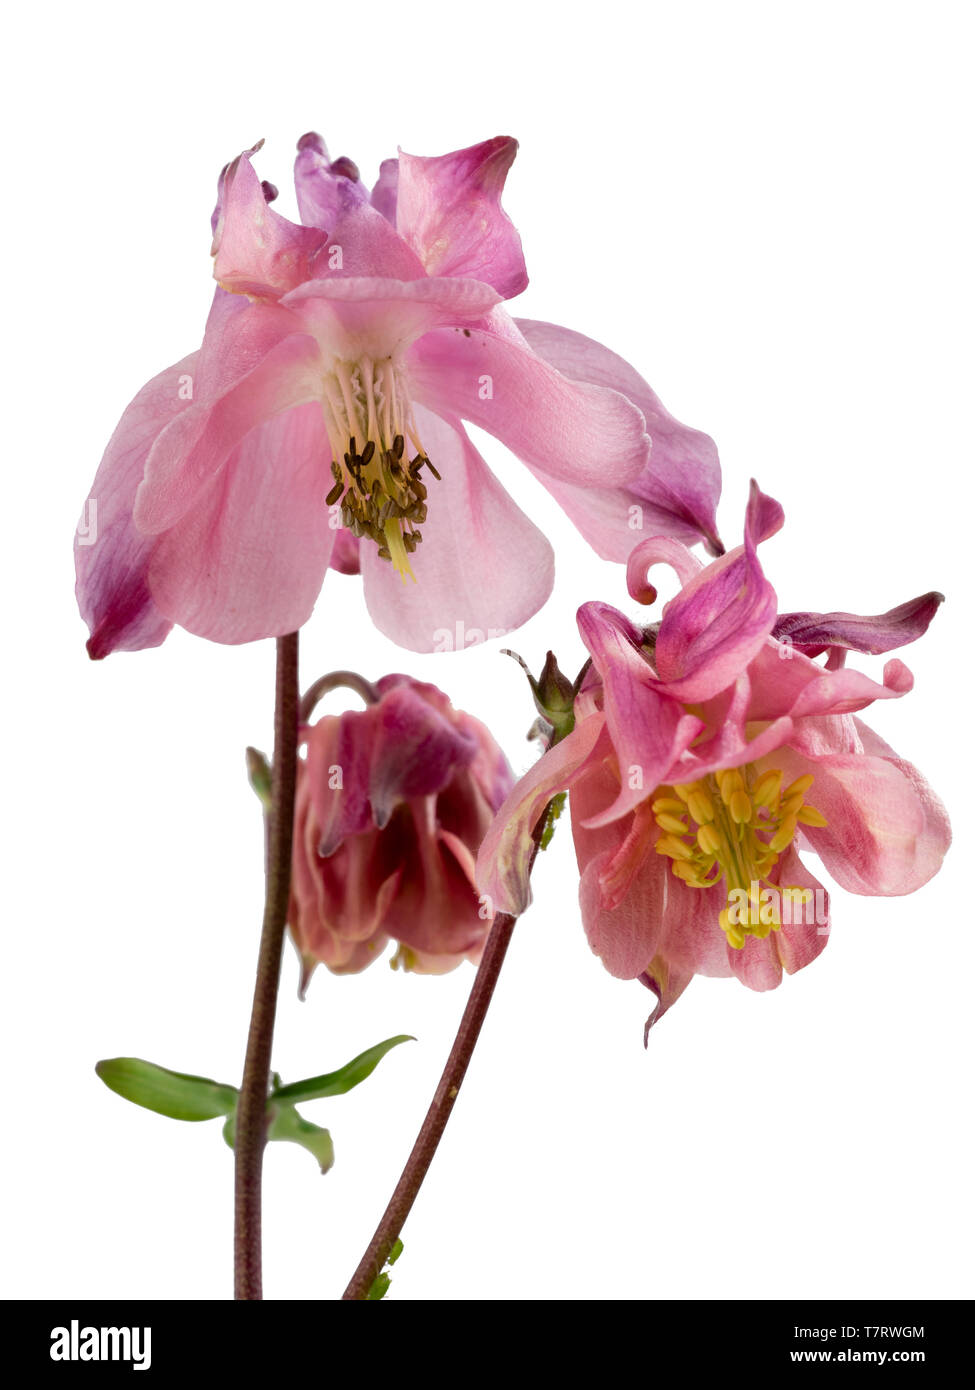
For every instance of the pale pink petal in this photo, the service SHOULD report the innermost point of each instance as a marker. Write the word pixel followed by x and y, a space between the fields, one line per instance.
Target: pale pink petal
pixel 449 209
pixel 883 836
pixel 936 839
pixel 223 571
pixel 625 937
pixel 191 451
pixel 482 568
pixel 843 692
pixel 362 243
pixel 111 556
pixel 506 851
pixel 257 251
pixel 681 484
pixel 371 316
pixel 568 430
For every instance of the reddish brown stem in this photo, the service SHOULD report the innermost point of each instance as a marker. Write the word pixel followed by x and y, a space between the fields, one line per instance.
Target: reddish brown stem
pixel 441 1107
pixel 251 1120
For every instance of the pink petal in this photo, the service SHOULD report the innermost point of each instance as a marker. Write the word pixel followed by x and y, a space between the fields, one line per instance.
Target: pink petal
pixel 257 251
pixel 681 485
pixel 506 851
pixel 189 454
pixel 624 937
pixel 337 763
pixel 371 316
pixel 719 621
pixel 482 568
pixel 345 552
pixel 249 558
pixel 369 246
pixel 649 731
pixel 842 692
pixel 567 430
pixel 800 941
pixel 885 836
pixel 814 633
pixel 111 556
pixel 449 209
pixel 415 751
pixel 728 714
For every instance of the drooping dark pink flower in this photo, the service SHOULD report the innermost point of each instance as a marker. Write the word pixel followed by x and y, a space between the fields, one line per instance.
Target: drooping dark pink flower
pixel 708 750
pixel 320 423
pixel 392 804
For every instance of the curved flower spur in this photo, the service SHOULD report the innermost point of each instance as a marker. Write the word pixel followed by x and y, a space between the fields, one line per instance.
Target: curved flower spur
pixel 320 423
pixel 708 749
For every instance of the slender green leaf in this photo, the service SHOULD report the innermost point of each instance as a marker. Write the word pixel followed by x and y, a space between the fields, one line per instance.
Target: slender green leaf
pixel 336 1083
pixel 172 1093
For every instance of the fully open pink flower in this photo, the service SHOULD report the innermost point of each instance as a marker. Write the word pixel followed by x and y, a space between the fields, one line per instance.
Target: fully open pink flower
pixel 392 804
pixel 339 359
pixel 707 751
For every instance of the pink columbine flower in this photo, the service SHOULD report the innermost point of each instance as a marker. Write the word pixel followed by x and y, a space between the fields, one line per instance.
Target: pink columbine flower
pixel 392 804
pixel 708 750
pixel 320 423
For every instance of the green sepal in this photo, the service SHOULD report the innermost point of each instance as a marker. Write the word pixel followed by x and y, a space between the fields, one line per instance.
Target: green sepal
pixel 172 1093
pixel 554 695
pixel 336 1083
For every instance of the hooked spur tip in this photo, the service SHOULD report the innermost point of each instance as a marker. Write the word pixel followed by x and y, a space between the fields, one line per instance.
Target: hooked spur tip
pixel 311 140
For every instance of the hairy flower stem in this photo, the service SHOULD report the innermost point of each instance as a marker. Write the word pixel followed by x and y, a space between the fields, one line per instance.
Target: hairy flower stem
pixel 335 680
pixel 441 1107
pixel 251 1118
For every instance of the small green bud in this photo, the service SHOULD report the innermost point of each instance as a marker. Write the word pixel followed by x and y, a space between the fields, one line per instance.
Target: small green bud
pixel 259 776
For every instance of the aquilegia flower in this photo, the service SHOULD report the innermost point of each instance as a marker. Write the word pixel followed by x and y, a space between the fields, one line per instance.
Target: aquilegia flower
pixel 707 751
pixel 392 804
pixel 326 401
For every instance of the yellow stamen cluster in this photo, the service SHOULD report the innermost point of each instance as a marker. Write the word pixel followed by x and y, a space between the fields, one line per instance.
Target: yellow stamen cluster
pixel 382 494
pixel 734 825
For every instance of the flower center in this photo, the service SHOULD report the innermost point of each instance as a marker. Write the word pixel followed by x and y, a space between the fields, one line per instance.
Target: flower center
pixel 734 825
pixel 369 420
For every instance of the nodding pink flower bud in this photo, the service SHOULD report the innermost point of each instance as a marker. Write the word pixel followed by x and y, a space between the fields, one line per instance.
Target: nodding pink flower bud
pixel 392 805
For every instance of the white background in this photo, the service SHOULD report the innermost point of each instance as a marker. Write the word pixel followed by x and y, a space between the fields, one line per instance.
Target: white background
pixel 767 209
